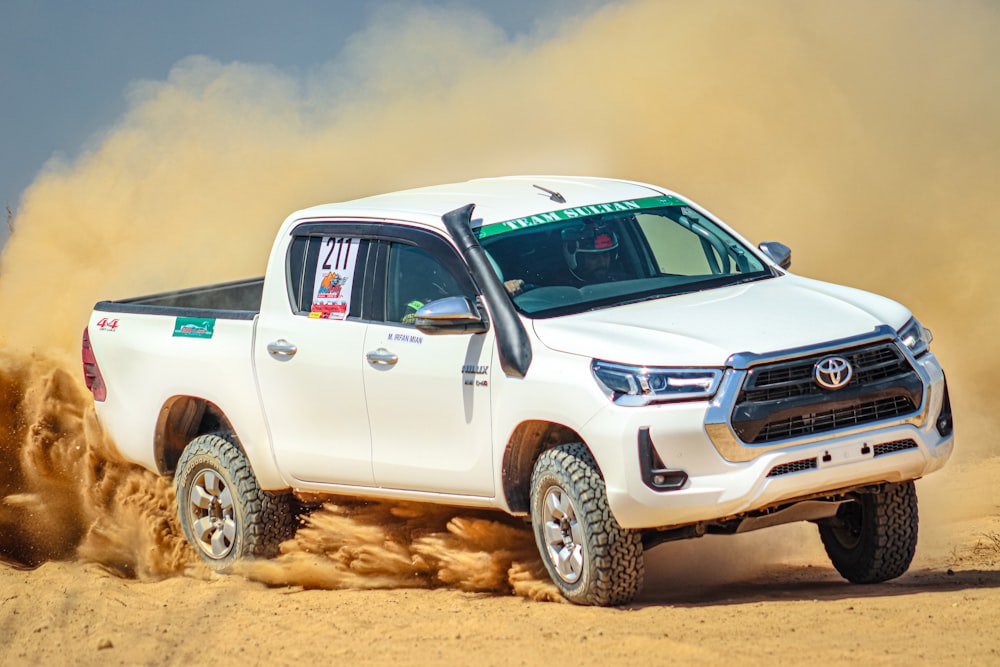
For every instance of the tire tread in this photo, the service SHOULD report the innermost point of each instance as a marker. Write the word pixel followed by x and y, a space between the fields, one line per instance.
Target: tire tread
pixel 888 537
pixel 267 517
pixel 616 553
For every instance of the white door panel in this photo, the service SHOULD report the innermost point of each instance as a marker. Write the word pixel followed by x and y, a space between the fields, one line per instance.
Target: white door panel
pixel 309 365
pixel 430 421
pixel 314 400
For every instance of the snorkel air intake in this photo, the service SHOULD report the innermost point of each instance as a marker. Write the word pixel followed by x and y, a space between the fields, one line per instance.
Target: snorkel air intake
pixel 512 340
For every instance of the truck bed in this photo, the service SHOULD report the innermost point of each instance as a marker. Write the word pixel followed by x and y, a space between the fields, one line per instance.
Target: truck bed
pixel 235 300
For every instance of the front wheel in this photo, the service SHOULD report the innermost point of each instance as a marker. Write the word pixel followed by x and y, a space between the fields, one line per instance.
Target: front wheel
pixel 873 538
pixel 225 514
pixel 590 558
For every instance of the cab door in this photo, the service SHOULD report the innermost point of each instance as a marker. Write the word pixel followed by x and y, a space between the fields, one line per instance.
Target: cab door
pixel 308 354
pixel 428 395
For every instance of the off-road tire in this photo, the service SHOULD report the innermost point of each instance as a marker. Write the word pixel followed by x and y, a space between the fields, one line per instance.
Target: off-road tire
pixel 608 564
pixel 873 539
pixel 225 514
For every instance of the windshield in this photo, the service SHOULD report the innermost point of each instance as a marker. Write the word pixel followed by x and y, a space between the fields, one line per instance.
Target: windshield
pixel 590 257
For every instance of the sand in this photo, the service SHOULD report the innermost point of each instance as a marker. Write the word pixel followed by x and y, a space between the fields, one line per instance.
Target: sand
pixel 946 610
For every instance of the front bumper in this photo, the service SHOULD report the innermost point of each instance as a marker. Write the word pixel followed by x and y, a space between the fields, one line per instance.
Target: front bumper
pixel 727 478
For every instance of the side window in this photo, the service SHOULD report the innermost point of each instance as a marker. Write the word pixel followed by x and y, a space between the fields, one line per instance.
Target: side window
pixel 414 278
pixel 686 244
pixel 678 251
pixel 325 276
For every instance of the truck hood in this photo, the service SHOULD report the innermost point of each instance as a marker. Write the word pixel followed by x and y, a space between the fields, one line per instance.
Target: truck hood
pixel 705 328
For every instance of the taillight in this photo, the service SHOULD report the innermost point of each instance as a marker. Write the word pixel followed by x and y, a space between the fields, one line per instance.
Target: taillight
pixel 91 373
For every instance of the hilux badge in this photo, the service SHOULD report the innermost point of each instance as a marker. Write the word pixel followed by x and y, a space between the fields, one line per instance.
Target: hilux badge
pixel 833 372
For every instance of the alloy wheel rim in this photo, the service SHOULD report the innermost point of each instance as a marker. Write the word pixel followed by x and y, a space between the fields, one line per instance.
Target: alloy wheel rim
pixel 563 535
pixel 848 530
pixel 213 514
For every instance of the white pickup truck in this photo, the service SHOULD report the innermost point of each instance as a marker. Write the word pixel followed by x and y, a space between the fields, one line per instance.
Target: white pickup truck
pixel 603 357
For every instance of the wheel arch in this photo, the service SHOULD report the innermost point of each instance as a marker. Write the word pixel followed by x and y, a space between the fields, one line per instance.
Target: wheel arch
pixel 181 420
pixel 526 443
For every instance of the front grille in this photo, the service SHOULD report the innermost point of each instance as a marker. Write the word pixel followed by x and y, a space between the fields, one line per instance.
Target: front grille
pixel 794 466
pixel 782 400
pixel 894 446
pixel 852 415
pixel 795 378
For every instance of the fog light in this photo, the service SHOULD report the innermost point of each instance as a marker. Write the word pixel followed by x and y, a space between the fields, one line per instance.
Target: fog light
pixel 655 474
pixel 944 422
pixel 945 426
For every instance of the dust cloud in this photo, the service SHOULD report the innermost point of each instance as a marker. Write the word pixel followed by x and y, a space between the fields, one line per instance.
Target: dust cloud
pixel 65 491
pixel 862 134
pixel 359 544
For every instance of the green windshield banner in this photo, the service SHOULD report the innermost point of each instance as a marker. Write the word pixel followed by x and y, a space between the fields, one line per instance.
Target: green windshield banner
pixel 578 212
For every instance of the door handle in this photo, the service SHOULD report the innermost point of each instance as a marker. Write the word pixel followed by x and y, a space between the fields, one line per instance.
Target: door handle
pixel 382 357
pixel 282 348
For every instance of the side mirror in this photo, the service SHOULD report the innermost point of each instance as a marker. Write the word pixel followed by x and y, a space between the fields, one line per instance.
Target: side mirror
pixel 779 253
pixel 451 315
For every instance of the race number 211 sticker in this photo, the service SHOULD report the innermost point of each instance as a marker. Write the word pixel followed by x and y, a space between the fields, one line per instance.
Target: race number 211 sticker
pixel 334 278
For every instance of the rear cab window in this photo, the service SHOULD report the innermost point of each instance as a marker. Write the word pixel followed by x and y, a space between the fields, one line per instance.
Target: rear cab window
pixel 326 275
pixel 373 272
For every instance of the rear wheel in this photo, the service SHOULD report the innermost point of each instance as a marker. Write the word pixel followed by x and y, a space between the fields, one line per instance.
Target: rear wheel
pixel 225 514
pixel 590 558
pixel 873 538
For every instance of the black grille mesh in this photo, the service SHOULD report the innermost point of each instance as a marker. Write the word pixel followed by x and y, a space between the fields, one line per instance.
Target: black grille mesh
pixel 894 446
pixel 812 464
pixel 793 466
pixel 782 400
pixel 862 413
pixel 795 378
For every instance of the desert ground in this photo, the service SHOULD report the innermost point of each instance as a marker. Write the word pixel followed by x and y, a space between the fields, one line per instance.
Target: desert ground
pixel 794 610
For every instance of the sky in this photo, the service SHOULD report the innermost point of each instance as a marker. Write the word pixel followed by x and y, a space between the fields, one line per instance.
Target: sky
pixel 66 67
pixel 147 152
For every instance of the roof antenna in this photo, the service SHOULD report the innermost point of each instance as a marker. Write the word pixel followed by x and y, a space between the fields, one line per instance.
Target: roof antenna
pixel 553 195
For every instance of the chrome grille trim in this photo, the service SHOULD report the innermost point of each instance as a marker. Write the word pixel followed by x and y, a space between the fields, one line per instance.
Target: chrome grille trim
pixel 794 378
pixel 733 449
pixel 781 400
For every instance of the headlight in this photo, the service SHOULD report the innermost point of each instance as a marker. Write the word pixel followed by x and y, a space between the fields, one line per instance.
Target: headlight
pixel 639 385
pixel 916 337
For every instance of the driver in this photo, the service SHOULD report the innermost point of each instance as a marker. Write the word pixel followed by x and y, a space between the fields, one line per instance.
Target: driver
pixel 588 250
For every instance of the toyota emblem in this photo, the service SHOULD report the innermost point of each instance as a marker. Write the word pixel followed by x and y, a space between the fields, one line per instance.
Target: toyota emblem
pixel 833 372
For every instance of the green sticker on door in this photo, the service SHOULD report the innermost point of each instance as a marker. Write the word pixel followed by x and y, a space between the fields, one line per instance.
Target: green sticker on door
pixel 194 327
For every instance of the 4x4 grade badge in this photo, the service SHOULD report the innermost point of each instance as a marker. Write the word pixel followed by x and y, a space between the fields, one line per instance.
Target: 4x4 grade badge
pixel 833 372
